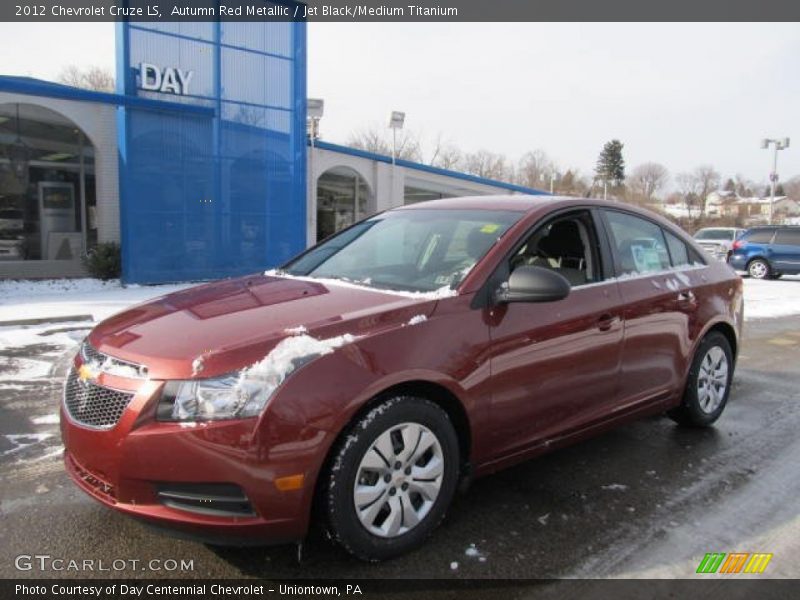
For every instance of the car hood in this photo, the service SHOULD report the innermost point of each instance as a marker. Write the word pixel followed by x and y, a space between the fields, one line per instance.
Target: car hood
pixel 220 327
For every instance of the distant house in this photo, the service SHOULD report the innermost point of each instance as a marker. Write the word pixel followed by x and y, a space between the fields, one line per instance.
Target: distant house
pixel 750 210
pixel 721 203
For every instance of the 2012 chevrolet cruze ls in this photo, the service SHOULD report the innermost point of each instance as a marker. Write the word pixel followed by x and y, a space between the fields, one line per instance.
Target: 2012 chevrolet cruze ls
pixel 365 378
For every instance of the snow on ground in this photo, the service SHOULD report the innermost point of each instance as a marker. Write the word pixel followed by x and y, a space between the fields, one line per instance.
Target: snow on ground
pixel 72 297
pixel 771 298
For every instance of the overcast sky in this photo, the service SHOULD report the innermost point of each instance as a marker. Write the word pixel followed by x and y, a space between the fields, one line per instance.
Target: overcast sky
pixel 679 94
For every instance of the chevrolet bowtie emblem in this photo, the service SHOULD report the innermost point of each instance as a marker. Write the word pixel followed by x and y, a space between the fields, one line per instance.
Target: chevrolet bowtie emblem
pixel 86 373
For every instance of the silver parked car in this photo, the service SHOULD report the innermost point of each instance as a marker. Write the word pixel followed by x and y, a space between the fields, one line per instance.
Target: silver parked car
pixel 718 241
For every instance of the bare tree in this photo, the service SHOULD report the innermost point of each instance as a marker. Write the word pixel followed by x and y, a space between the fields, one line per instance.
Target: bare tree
pixel 534 169
pixel 445 155
pixel 484 163
pixel 377 140
pixel 572 183
pixel 648 179
pixel 696 186
pixel 792 188
pixel 90 78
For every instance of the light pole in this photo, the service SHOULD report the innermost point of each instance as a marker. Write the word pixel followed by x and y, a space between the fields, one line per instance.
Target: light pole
pixel 396 121
pixel 553 177
pixel 777 144
pixel 315 108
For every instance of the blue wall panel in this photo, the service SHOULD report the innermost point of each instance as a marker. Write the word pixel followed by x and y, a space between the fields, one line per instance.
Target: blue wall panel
pixel 211 195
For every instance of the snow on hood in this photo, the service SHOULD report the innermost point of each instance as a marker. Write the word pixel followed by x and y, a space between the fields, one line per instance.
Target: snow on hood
pixel 291 353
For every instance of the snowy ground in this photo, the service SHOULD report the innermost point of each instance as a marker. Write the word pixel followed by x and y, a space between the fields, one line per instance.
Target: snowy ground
pixel 766 299
pixel 72 297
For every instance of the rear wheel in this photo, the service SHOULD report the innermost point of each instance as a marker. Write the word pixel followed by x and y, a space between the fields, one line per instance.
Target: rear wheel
pixel 392 478
pixel 709 383
pixel 759 269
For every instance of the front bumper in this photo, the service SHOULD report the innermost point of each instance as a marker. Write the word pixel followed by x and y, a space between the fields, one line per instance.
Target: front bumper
pixel 127 467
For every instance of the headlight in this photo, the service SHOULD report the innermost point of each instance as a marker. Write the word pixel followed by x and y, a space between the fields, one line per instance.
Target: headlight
pixel 247 392
pixel 229 397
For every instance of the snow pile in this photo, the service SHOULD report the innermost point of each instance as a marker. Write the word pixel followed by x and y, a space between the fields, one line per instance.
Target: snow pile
pixel 264 377
pixel 765 299
pixel 299 330
pixel 617 487
pixel 473 552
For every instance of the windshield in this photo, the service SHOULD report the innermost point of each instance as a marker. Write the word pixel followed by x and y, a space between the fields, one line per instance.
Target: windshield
pixel 417 250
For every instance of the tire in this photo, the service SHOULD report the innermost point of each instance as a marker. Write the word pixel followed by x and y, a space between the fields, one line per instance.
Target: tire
pixel 703 403
pixel 389 523
pixel 758 268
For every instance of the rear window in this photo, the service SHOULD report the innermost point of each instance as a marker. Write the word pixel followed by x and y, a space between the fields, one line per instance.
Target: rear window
pixel 759 236
pixel 714 234
pixel 789 237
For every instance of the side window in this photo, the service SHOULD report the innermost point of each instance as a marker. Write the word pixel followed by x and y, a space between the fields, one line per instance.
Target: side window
pixel 640 245
pixel 760 236
pixel 567 245
pixel 790 237
pixel 678 251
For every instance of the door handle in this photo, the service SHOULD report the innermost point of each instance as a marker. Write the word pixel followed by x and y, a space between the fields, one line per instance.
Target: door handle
pixel 686 297
pixel 606 321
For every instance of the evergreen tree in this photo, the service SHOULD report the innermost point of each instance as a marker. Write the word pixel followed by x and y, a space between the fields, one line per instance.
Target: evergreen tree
pixel 610 164
pixel 730 185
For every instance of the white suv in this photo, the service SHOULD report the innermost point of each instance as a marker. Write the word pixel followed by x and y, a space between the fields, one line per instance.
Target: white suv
pixel 718 241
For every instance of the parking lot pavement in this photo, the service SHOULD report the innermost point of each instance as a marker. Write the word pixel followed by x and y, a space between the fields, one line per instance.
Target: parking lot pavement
pixel 646 500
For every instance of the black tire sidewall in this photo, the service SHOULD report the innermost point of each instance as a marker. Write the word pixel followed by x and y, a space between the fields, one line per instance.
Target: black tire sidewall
pixel 694 415
pixel 343 521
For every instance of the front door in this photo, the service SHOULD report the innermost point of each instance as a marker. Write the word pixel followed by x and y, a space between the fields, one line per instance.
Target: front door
pixel 555 365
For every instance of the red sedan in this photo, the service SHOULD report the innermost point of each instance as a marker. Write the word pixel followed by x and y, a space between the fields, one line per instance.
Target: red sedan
pixel 372 373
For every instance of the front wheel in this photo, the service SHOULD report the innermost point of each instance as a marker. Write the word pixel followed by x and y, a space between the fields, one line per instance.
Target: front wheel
pixel 759 269
pixel 392 478
pixel 709 383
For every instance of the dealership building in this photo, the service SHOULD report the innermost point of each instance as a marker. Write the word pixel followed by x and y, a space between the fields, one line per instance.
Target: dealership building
pixel 200 164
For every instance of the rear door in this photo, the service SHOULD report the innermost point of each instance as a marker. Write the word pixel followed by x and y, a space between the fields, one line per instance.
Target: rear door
pixel 786 251
pixel 658 305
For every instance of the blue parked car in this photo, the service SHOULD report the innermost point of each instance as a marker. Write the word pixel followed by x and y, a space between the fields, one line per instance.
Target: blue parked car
pixel 768 252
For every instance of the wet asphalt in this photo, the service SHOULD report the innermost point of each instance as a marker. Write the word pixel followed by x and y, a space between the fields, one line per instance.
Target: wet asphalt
pixel 646 500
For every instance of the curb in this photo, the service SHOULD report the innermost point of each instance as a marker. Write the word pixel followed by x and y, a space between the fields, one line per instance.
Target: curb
pixel 46 320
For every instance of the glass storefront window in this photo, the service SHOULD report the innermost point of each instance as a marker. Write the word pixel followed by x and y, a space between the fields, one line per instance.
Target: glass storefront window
pixel 343 197
pixel 47 188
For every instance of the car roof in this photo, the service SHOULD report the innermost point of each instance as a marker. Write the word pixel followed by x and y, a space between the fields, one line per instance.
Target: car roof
pixel 513 203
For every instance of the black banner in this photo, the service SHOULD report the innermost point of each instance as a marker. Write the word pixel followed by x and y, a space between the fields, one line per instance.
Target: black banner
pixel 729 588
pixel 402 11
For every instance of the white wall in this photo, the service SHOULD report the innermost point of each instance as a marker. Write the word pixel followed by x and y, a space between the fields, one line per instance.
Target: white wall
pixel 386 182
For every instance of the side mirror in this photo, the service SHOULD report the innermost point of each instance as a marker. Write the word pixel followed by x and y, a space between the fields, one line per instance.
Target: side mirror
pixel 533 284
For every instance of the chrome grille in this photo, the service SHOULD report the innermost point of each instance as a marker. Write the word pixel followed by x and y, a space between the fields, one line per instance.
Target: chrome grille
pixel 111 365
pixel 93 405
pixel 90 354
